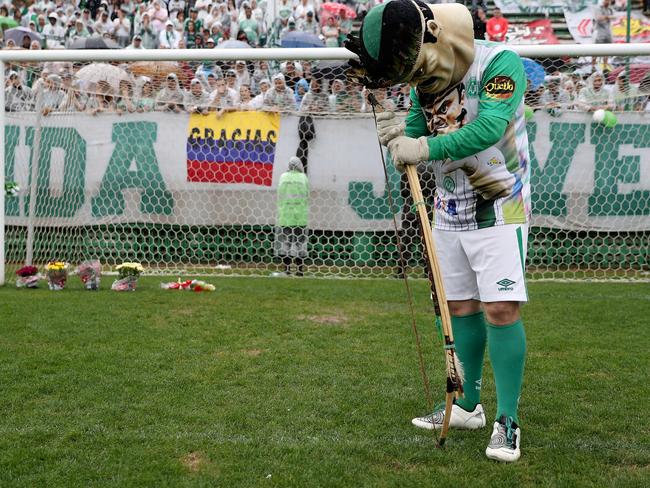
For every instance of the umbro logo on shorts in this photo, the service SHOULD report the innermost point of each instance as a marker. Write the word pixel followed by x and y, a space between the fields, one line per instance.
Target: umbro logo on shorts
pixel 505 284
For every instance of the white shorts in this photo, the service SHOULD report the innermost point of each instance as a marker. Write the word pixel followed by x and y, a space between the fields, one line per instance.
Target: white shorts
pixel 485 264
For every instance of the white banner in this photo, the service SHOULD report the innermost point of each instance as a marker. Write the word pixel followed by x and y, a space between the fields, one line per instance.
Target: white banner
pixel 580 23
pixel 134 168
pixel 343 151
pixel 539 6
pixel 551 6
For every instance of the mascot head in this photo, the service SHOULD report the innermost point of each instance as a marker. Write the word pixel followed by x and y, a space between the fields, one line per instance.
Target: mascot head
pixel 409 41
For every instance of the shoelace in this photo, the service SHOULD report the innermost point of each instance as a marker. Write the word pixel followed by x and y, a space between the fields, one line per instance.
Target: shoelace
pixel 437 408
pixel 509 430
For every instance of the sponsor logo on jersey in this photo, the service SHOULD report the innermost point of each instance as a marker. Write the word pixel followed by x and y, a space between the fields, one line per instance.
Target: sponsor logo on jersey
pixel 506 284
pixel 449 184
pixel 500 88
pixel 472 87
pixel 493 161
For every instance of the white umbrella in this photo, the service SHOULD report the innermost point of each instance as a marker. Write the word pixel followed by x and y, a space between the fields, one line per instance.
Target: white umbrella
pixel 58 67
pixel 96 72
pixel 94 42
pixel 233 44
pixel 17 33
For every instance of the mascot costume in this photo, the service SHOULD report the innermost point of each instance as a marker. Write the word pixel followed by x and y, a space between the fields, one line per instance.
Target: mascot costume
pixel 466 122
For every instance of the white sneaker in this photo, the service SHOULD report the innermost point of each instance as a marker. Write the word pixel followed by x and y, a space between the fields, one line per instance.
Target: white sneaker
pixel 505 440
pixel 460 418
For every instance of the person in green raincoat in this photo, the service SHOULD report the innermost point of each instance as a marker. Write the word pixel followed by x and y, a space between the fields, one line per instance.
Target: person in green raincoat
pixel 293 215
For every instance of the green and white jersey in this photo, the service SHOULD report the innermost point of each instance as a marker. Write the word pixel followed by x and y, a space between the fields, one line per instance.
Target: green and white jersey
pixel 483 118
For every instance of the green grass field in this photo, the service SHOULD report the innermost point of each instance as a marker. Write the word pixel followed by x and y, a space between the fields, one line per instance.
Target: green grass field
pixel 306 383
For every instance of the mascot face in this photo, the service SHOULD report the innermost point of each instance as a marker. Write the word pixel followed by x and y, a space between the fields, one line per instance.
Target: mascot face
pixel 445 113
pixel 407 41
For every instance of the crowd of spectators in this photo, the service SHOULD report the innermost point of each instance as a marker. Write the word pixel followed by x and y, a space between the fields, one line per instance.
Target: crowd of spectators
pixel 208 86
pixel 180 23
pixel 565 91
pixel 202 87
pixel 290 87
pixel 573 92
pixel 193 24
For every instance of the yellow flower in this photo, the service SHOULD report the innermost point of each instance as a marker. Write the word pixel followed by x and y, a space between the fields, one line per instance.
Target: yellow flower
pixel 130 269
pixel 137 266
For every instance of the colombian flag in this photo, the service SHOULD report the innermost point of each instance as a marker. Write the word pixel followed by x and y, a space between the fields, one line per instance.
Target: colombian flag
pixel 238 147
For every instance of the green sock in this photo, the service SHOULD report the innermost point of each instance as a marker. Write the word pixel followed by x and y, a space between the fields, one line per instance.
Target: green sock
pixel 507 349
pixel 469 337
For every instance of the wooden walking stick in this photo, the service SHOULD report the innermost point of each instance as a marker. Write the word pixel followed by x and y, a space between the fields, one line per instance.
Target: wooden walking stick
pixel 454 368
pixel 443 318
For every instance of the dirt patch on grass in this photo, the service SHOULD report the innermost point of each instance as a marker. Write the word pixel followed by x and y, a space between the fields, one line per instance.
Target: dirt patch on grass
pixel 600 375
pixel 252 352
pixel 194 462
pixel 325 319
pixel 635 469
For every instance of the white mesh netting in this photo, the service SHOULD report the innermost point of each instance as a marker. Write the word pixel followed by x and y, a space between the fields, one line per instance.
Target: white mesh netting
pixel 176 165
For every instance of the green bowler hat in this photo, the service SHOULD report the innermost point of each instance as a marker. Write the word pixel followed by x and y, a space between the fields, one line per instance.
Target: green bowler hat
pixel 390 40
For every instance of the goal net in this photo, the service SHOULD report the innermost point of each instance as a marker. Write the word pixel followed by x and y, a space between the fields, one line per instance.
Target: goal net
pixel 176 165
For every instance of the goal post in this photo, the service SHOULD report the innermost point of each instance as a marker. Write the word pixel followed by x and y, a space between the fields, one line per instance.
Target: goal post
pixel 2 176
pixel 109 168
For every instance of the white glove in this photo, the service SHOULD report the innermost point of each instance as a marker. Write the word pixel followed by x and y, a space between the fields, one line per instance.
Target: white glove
pixel 407 150
pixel 486 172
pixel 389 127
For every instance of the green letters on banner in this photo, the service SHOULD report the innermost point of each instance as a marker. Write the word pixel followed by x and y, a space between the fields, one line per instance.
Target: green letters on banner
pixel 362 199
pixel 74 171
pixel 607 200
pixel 547 182
pixel 133 143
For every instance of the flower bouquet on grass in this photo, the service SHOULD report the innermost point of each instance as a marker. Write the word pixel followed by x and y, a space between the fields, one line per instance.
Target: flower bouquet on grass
pixel 57 275
pixel 90 272
pixel 198 285
pixel 128 276
pixel 188 285
pixel 28 277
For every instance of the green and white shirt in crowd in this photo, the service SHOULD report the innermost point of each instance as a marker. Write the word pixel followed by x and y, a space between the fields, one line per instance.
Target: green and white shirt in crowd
pixel 482 117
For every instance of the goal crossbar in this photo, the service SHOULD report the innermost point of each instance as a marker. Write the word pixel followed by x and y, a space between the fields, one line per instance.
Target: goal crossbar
pixel 530 51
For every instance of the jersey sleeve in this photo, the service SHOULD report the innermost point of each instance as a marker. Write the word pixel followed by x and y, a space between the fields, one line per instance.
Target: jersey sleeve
pixel 416 124
pixel 502 90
